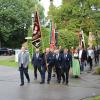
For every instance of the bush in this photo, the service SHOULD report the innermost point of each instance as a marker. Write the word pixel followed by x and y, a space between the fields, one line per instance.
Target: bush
pixel 98 70
pixel 68 39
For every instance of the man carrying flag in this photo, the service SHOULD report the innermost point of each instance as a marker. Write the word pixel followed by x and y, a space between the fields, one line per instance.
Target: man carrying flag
pixel 36 40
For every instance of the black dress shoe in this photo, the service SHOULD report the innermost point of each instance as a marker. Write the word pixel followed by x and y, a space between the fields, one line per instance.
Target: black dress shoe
pixel 76 76
pixel 48 82
pixel 42 82
pixel 35 78
pixel 21 84
pixel 66 84
pixel 59 81
pixel 28 81
pixel 63 82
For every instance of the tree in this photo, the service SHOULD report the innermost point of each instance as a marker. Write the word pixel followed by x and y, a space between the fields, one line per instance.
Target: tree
pixel 15 19
pixel 74 15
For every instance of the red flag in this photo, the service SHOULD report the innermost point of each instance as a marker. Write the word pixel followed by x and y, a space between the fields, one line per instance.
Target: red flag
pixel 36 35
pixel 52 42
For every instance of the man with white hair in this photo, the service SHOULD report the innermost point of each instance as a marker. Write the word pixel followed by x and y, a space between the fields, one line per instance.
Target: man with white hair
pixel 90 57
pixel 23 61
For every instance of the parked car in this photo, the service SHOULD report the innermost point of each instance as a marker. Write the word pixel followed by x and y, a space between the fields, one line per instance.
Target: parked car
pixel 6 51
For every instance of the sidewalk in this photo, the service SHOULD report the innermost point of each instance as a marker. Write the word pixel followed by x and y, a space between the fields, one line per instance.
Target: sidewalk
pixel 88 85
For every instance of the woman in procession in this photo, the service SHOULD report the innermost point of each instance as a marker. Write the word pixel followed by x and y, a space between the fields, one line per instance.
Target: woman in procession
pixel 76 65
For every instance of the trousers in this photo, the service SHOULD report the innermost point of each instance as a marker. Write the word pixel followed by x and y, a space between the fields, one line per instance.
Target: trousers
pixel 24 71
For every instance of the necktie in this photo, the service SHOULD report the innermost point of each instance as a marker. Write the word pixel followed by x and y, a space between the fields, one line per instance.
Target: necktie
pixel 65 56
pixel 37 55
pixel 57 56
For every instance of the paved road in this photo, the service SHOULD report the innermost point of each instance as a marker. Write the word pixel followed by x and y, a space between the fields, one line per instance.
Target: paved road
pixel 88 85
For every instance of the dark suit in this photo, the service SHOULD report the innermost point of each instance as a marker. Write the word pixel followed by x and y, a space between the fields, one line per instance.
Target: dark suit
pixel 96 55
pixel 61 51
pixel 84 55
pixel 43 66
pixel 50 62
pixel 22 72
pixel 66 64
pixel 83 59
pixel 36 61
pixel 57 60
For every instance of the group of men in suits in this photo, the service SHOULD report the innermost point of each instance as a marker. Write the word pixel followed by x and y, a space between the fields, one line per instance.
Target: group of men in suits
pixel 58 59
pixel 52 59
pixel 43 62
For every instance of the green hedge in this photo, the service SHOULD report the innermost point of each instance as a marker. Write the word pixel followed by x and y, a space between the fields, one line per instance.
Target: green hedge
pixel 68 38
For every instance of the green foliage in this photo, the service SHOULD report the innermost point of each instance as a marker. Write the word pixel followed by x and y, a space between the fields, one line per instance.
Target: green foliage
pixel 29 42
pixel 45 37
pixel 98 39
pixel 86 40
pixel 15 19
pixel 9 62
pixel 67 39
pixel 93 98
pixel 75 14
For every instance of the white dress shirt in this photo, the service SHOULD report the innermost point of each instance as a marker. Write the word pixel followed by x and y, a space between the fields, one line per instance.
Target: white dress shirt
pixel 80 54
pixel 91 53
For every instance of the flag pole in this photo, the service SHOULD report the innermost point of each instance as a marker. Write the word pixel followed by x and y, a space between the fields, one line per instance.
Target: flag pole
pixel 42 42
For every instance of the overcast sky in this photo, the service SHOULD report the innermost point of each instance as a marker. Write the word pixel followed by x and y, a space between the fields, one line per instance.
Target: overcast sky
pixel 46 4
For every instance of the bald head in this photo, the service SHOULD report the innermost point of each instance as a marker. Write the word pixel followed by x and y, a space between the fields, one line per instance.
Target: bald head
pixel 65 51
pixel 47 50
pixel 23 49
pixel 37 50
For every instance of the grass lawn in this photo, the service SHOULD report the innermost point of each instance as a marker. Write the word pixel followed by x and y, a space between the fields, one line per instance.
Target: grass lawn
pixel 93 98
pixel 10 63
